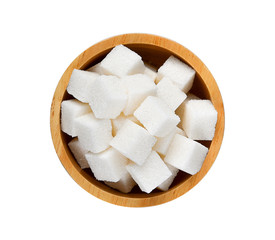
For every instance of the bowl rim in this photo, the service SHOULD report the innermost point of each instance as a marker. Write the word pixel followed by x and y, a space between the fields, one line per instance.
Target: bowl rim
pixel 80 176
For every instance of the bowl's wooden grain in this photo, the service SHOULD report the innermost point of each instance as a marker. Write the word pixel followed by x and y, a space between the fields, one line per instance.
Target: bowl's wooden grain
pixel 154 51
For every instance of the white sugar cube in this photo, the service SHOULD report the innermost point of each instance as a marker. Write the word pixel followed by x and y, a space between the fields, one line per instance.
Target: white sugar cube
pixel 170 93
pixel 199 119
pixel 70 111
pixel 80 84
pixel 150 72
pixel 107 97
pixel 93 134
pixel 191 96
pixel 151 174
pixel 125 184
pixel 122 61
pixel 79 153
pixel 163 143
pixel 134 119
pixel 179 72
pixel 96 69
pixel 180 109
pixel 167 183
pixel 186 154
pixel 156 116
pixel 108 165
pixel 138 87
pixel 134 142
pixel 118 122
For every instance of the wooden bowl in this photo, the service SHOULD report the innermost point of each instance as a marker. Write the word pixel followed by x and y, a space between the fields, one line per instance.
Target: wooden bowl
pixel 154 51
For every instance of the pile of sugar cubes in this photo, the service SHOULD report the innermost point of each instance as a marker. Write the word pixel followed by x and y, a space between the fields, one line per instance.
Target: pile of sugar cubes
pixel 131 124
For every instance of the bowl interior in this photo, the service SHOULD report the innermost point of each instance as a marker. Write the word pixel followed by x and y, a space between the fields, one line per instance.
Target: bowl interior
pixel 154 56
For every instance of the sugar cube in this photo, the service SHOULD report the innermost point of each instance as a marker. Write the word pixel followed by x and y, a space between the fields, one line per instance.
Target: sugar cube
pixel 151 174
pixel 199 119
pixel 138 87
pixel 93 134
pixel 150 72
pixel 125 184
pixel 96 69
pixel 78 152
pixel 134 119
pixel 179 72
pixel 180 109
pixel 167 183
pixel 108 165
pixel 163 143
pixel 80 84
pixel 70 111
pixel 186 154
pixel 134 142
pixel 156 116
pixel 117 123
pixel 107 97
pixel 170 93
pixel 122 61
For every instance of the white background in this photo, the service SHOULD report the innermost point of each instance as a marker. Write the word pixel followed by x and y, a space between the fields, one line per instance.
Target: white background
pixel 39 39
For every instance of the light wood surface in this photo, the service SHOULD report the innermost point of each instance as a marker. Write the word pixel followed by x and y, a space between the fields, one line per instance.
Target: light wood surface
pixel 154 51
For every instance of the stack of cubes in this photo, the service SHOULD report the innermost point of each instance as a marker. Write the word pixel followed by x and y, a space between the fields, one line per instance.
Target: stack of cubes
pixel 134 125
